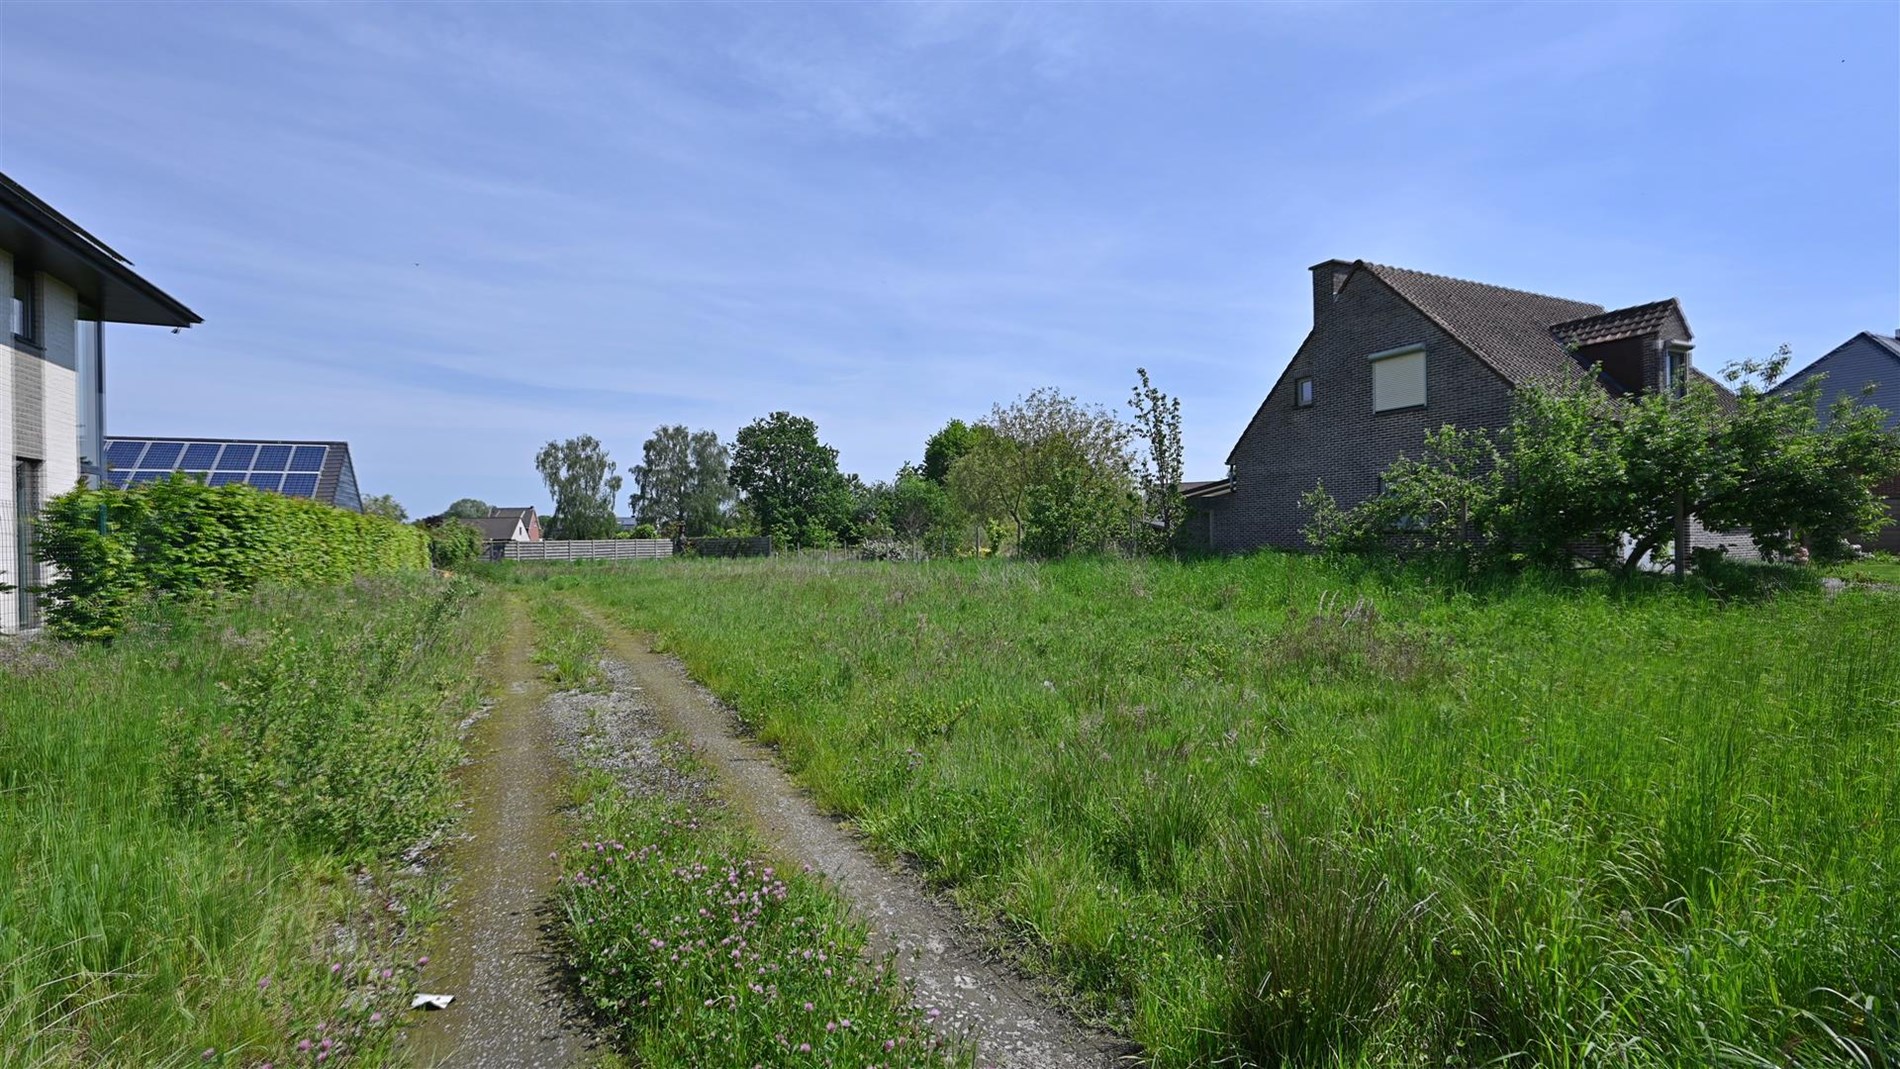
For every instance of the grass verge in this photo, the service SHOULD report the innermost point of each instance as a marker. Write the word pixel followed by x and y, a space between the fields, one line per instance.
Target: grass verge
pixel 202 825
pixel 694 950
pixel 1275 811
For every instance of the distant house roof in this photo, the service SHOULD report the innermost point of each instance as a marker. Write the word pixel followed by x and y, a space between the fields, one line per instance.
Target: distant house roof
pixel 321 471
pixel 1206 488
pixel 104 280
pixel 1866 359
pixel 496 528
pixel 520 513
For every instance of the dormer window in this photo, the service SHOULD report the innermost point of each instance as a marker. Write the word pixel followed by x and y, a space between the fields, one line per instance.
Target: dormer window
pixel 1676 368
pixel 1303 392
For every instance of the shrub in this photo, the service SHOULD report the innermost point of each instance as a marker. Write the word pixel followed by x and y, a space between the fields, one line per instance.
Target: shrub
pixel 453 543
pixel 646 530
pixel 113 547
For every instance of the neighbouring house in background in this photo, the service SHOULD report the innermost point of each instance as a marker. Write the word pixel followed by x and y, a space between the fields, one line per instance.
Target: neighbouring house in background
pixel 321 471
pixel 1394 354
pixel 1852 367
pixel 64 286
pixel 498 528
pixel 530 523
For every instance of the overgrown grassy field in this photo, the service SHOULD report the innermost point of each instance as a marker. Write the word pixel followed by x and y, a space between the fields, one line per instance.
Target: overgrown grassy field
pixel 694 950
pixel 1277 811
pixel 198 824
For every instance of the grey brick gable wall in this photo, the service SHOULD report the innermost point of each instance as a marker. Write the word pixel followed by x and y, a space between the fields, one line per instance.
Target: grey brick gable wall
pixel 1339 439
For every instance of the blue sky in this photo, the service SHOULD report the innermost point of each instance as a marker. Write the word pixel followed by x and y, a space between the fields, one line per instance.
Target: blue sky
pixel 447 234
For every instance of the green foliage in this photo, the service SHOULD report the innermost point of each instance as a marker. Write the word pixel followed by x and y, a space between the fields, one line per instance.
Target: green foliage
pixel 1581 474
pixel 386 506
pixel 581 480
pixel 1158 426
pixel 453 543
pixel 328 738
pixel 943 449
pixel 791 481
pixel 1058 470
pixel 674 920
pixel 178 537
pixel 468 508
pixel 645 530
pixel 682 482
pixel 1292 810
pixel 139 929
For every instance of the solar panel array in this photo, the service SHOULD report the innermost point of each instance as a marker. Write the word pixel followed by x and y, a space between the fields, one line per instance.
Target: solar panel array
pixel 286 468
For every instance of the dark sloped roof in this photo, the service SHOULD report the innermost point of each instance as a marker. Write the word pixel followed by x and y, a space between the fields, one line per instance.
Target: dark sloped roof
pixel 496 528
pixel 1507 329
pixel 1206 487
pixel 34 229
pixel 1616 325
pixel 519 512
pixel 1892 344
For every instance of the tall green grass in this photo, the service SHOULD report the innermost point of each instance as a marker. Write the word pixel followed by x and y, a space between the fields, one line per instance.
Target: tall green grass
pixel 188 819
pixel 1275 811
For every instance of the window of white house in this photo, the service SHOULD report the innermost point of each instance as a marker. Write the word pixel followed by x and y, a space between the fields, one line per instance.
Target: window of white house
pixel 1398 378
pixel 1303 392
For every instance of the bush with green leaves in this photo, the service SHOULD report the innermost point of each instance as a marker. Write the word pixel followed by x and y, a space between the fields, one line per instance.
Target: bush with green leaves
pixel 453 543
pixel 113 547
pixel 1581 476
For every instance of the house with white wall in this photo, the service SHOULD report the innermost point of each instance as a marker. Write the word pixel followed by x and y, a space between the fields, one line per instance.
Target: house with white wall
pixel 64 286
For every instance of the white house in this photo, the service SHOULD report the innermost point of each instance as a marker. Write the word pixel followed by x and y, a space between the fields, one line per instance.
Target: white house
pixel 65 286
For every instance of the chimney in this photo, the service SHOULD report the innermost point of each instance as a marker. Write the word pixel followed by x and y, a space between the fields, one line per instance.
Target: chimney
pixel 1327 278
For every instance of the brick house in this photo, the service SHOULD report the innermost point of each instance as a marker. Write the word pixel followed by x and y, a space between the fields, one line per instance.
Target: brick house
pixel 1865 360
pixel 1395 353
pixel 524 517
pixel 65 285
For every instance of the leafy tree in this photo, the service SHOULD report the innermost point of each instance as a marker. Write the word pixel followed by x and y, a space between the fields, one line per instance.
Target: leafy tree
pixel 942 449
pixel 469 508
pixel 1158 473
pixel 580 477
pixel 919 509
pixel 1579 474
pixel 386 506
pixel 1050 462
pixel 682 483
pixel 645 530
pixel 790 480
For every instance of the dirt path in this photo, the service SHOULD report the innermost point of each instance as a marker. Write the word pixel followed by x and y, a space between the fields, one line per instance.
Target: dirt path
pixel 495 955
pixel 1014 1027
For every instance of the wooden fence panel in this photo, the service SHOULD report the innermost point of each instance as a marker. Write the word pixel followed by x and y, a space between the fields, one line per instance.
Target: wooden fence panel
pixel 592 549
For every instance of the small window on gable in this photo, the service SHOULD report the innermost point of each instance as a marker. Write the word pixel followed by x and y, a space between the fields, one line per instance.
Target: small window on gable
pixel 1303 392
pixel 1676 370
pixel 1398 378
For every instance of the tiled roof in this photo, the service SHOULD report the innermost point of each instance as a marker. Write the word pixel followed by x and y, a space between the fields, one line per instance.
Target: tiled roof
pixel 1507 329
pixel 1616 325
pixel 496 528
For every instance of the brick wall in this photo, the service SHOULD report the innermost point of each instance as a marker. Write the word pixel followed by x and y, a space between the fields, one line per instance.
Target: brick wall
pixel 1339 438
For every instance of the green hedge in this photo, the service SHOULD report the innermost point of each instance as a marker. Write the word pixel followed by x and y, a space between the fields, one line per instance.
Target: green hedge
pixel 180 536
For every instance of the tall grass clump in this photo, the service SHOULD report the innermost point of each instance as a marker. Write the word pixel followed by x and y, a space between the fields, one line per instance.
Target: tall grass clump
pixel 188 818
pixel 1286 811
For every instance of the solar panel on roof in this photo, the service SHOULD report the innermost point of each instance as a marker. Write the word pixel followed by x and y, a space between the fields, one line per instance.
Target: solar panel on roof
pixel 124 455
pixel 199 456
pixel 298 484
pixel 236 457
pixel 272 458
pixel 119 478
pixel 148 476
pixel 162 454
pixel 226 478
pixel 265 480
pixel 307 458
